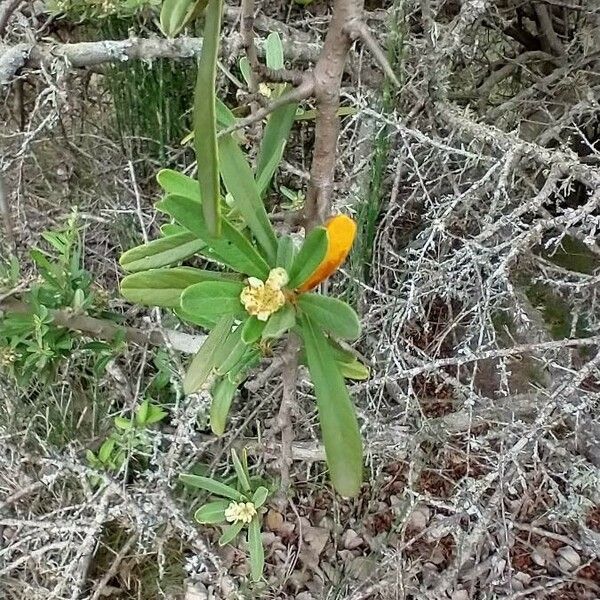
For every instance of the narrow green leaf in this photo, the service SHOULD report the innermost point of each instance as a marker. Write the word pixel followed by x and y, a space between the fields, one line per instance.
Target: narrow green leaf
pixel 274 139
pixel 252 330
pixel 205 120
pixel 106 449
pixel 274 51
pixel 210 485
pixel 259 497
pixel 213 299
pixel 354 370
pixel 163 287
pixel 161 252
pixel 231 533
pixel 255 547
pixel 178 184
pixel 142 413
pixel 280 322
pixel 339 427
pixel 171 16
pixel 231 249
pixel 233 352
pixel 286 251
pixel 207 324
pixel 331 315
pixel 123 423
pixel 245 70
pixel 212 512
pixel 222 397
pixel 167 229
pixel 238 372
pixel 225 118
pixel 204 361
pixel 311 254
pixel 239 182
pixel 155 414
pixel 241 472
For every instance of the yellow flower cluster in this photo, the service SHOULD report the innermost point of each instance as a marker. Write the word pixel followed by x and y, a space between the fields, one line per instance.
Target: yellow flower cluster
pixel 263 298
pixel 240 511
pixel 7 356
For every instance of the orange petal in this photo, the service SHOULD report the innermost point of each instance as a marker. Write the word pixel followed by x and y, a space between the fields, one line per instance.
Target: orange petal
pixel 341 231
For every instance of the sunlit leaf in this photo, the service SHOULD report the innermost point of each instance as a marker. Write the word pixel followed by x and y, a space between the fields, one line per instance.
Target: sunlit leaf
pixel 241 470
pixel 259 497
pixel 212 299
pixel 274 51
pixel 339 427
pixel 178 184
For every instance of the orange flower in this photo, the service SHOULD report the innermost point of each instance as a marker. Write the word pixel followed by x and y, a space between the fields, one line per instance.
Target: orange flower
pixel 341 231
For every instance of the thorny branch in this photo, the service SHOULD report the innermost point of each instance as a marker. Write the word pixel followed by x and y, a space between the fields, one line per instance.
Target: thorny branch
pixel 495 174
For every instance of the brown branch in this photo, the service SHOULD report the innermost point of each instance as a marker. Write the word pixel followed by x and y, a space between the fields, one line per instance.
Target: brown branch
pixel 288 401
pixel 6 11
pixel 328 79
pixel 360 30
pixel 551 42
pixel 247 33
pixel 304 90
pixel 109 331
pixel 6 214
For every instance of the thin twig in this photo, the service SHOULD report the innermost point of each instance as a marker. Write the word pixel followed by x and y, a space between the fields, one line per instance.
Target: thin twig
pixel 304 90
pixel 359 29
pixel 112 571
pixel 288 400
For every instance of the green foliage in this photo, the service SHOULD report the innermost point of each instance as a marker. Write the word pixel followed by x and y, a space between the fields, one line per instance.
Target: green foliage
pixel 242 508
pixel 339 427
pixel 95 9
pixel 129 440
pixel 176 14
pixel 31 345
pixel 332 315
pixel 246 311
pixel 310 256
pixel 205 121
